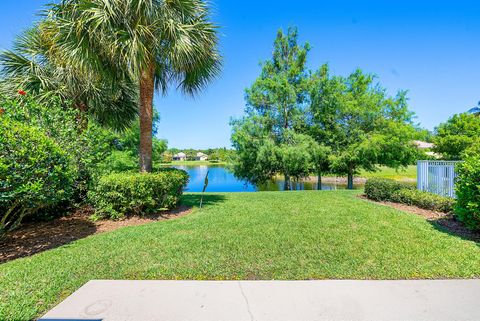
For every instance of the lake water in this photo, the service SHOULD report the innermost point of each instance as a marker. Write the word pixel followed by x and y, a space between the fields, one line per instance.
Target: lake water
pixel 220 179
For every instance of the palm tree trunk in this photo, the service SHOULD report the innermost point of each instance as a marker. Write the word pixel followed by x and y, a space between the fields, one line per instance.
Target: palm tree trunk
pixel 146 118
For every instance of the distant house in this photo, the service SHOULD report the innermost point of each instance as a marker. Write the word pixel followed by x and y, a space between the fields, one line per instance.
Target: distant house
pixel 201 156
pixel 180 157
pixel 427 148
pixel 423 145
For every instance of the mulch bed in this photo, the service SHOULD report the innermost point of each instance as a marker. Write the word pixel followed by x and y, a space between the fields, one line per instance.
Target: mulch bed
pixel 33 238
pixel 444 221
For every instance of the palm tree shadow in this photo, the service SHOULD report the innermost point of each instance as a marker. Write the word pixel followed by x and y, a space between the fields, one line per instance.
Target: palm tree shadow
pixel 193 200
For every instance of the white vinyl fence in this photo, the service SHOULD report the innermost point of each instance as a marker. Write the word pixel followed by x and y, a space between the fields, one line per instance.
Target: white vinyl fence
pixel 436 177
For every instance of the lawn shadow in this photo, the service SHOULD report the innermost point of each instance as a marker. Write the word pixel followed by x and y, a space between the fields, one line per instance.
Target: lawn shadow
pixel 193 200
pixel 451 226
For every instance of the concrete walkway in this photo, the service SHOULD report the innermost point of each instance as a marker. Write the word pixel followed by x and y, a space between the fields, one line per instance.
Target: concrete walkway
pixel 437 300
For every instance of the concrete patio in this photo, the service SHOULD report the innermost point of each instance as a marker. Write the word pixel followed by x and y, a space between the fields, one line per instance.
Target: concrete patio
pixel 418 300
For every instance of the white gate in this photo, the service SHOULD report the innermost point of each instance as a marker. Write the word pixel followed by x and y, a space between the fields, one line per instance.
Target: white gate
pixel 437 177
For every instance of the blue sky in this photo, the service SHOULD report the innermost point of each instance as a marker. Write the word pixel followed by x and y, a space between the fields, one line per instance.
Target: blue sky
pixel 430 48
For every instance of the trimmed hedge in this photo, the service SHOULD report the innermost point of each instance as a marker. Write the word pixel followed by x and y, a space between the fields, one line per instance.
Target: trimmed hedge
pixel 424 200
pixel 120 194
pixel 35 173
pixel 467 208
pixel 382 189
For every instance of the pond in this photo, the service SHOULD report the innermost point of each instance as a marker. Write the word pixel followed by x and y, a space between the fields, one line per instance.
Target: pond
pixel 221 179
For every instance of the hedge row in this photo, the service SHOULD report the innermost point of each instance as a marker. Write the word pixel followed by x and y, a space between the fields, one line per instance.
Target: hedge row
pixel 382 189
pixel 119 194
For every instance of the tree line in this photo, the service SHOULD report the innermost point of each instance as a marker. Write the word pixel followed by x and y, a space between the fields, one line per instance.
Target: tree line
pixel 220 154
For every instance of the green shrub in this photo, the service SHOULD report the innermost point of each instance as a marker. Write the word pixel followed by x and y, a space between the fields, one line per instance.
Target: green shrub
pixel 118 162
pixel 424 200
pixel 119 194
pixel 467 208
pixel 382 189
pixel 87 147
pixel 35 173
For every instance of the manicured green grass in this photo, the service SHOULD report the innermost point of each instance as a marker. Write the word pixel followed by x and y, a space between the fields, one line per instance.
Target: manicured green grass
pixel 408 174
pixel 267 235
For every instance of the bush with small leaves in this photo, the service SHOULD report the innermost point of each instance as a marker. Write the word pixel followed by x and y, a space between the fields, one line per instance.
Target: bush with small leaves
pixel 35 173
pixel 424 200
pixel 467 208
pixel 382 189
pixel 120 194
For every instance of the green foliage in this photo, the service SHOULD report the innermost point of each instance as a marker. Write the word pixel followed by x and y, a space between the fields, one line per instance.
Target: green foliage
pixel 353 123
pixel 266 139
pixel 467 208
pixel 423 134
pixel 278 96
pixel 94 150
pixel 258 159
pixel 87 147
pixel 167 157
pixel 383 189
pixel 455 136
pixel 35 173
pixel 255 158
pixel 294 155
pixel 37 64
pixel 177 37
pixel 424 200
pixel 239 236
pixel 118 161
pixel 220 154
pixel 119 194
pixel 59 123
pixel 361 124
pixel 157 43
pixel 130 140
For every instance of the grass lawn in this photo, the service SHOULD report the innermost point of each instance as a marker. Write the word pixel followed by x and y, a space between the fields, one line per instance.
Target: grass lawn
pixel 268 235
pixel 410 173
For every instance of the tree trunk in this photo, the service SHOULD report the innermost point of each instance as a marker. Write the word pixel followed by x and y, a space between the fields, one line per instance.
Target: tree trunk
pixel 287 186
pixel 146 118
pixel 319 181
pixel 350 179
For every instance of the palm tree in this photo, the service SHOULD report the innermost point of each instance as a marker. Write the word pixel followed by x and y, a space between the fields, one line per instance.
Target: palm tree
pixel 35 65
pixel 159 43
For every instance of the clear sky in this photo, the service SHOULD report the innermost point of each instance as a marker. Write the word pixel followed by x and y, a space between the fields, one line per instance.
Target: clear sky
pixel 430 48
